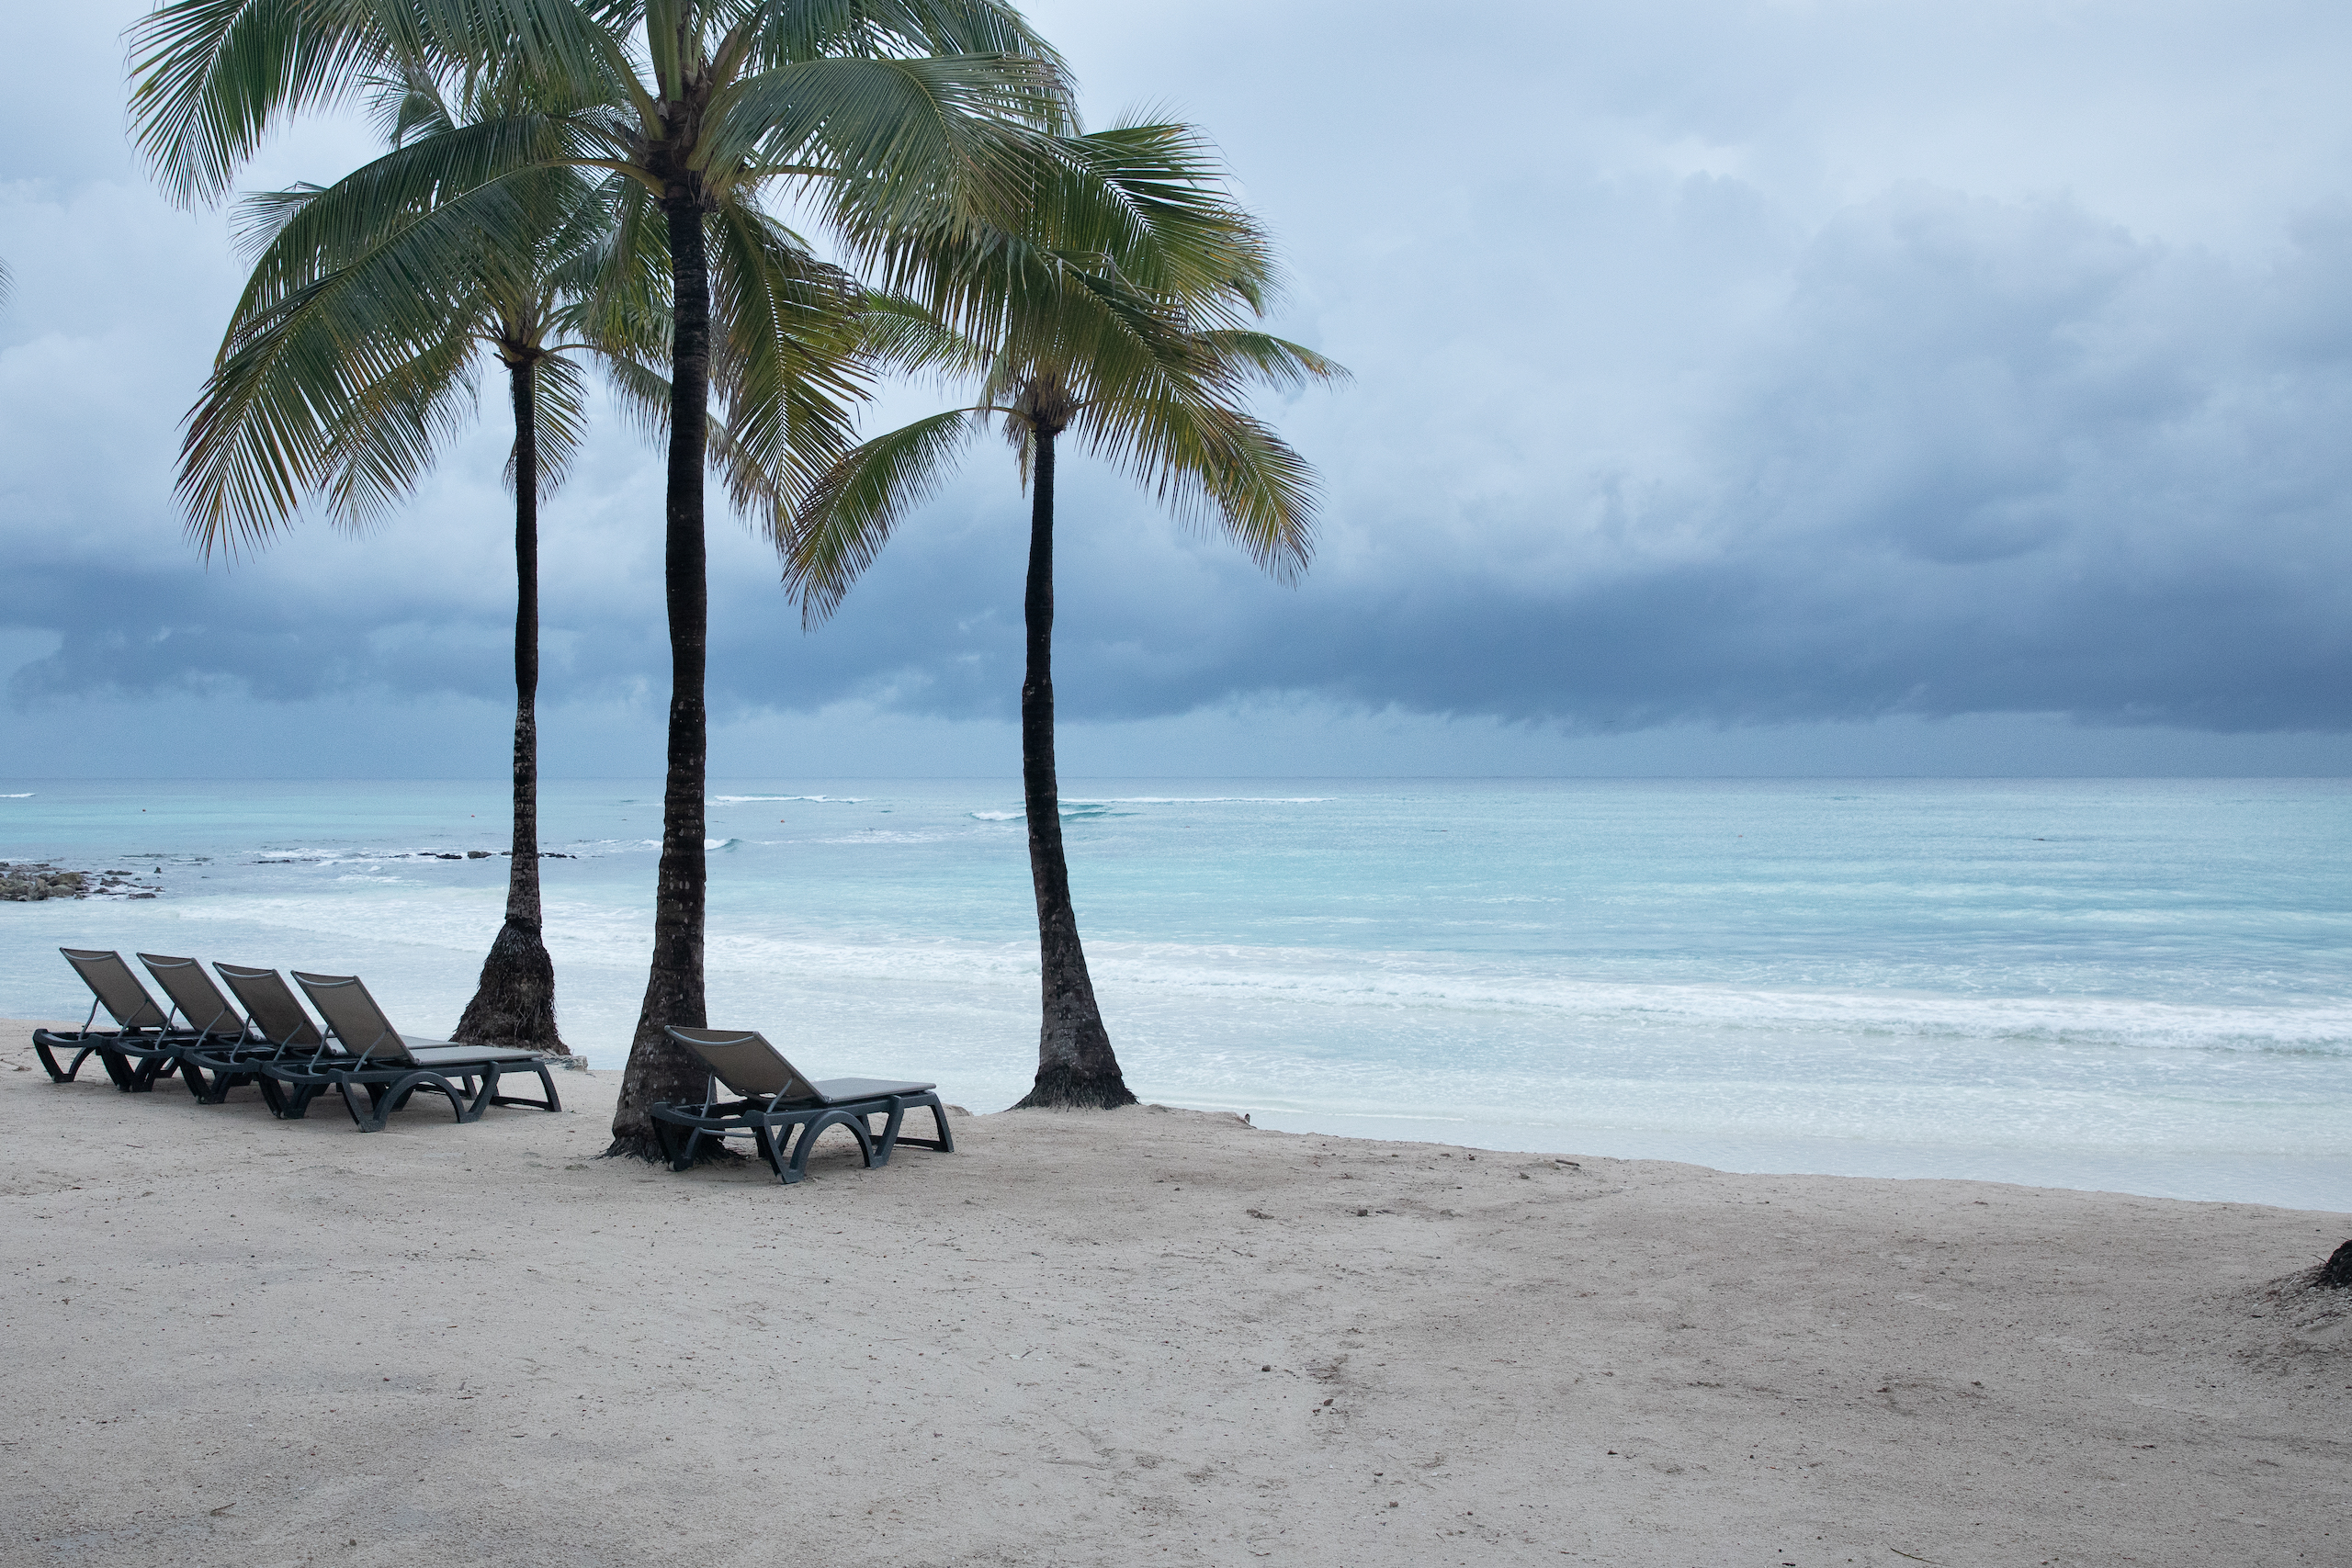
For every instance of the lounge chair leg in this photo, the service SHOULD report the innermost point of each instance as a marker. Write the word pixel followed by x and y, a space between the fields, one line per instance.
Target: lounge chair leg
pixel 790 1168
pixel 894 1136
pixel 798 1166
pixel 62 1075
pixel 214 1090
pixel 890 1140
pixel 471 1110
pixel 546 1083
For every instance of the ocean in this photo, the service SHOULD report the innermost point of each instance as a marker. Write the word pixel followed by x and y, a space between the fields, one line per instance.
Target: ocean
pixel 2129 984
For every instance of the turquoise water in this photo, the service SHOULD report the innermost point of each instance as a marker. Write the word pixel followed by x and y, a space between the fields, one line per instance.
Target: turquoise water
pixel 2134 985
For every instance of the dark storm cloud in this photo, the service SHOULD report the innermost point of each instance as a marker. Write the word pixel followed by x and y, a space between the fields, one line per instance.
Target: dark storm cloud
pixel 1736 362
pixel 1985 457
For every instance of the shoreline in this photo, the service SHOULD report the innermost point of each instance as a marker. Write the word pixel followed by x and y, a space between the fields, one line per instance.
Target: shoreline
pixel 2039 985
pixel 1047 1349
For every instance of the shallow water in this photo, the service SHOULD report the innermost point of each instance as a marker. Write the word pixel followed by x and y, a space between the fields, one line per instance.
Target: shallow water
pixel 2136 985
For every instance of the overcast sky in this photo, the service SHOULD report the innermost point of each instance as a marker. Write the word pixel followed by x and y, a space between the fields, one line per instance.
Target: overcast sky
pixel 1797 387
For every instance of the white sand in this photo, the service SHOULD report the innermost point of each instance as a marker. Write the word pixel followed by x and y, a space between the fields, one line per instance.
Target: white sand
pixel 237 1340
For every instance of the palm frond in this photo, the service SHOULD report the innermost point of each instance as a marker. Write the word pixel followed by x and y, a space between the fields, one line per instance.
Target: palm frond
pixel 212 77
pixel 262 215
pixel 433 193
pixel 1141 207
pixel 641 393
pixel 559 417
pixel 899 333
pixel 839 523
pixel 783 359
pixel 291 410
pixel 900 137
pixel 812 29
pixel 1210 460
pixel 383 439
pixel 615 283
pixel 1276 362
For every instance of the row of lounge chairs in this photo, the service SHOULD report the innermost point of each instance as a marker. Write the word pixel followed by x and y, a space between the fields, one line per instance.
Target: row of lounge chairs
pixel 214 1047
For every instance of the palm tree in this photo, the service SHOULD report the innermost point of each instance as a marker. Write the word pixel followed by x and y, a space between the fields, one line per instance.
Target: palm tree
pixel 879 106
pixel 1116 315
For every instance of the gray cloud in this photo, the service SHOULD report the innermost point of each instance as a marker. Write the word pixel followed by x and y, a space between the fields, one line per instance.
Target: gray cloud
pixel 1717 363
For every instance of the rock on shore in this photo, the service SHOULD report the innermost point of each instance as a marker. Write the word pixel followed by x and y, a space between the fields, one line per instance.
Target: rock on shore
pixel 30 883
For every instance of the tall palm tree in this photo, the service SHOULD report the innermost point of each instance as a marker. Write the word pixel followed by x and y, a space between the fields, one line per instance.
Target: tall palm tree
pixel 1117 314
pixel 878 107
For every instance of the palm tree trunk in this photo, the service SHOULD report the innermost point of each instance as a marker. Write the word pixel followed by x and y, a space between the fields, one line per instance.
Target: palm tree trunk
pixel 513 1002
pixel 1075 1068
pixel 658 1069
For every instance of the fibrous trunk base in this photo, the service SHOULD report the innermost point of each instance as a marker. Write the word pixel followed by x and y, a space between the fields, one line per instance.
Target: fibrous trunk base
pixel 1061 1087
pixel 514 1005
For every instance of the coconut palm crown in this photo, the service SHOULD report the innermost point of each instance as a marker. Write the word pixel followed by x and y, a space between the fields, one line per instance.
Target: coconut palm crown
pixel 1117 315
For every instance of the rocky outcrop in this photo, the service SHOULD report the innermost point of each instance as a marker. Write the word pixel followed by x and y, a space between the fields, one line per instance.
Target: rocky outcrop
pixel 31 882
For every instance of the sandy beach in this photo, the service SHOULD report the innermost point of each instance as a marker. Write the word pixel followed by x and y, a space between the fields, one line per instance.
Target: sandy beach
pixel 1143 1337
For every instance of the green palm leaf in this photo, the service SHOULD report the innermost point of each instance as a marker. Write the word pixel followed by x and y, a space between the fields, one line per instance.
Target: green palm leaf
pixel 848 514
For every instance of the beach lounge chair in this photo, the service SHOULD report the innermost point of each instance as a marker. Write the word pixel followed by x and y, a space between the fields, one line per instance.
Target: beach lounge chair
pixel 276 1013
pixel 775 1098
pixel 142 1048
pixel 282 1036
pixel 391 1066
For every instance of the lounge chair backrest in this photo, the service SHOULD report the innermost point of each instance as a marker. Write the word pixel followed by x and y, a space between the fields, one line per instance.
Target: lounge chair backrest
pixel 270 1003
pixel 201 1006
pixel 353 1017
pixel 117 988
pixel 746 1063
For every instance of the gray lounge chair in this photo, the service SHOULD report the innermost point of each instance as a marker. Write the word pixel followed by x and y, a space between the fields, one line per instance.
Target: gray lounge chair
pixel 276 1013
pixel 217 1033
pixel 141 1049
pixel 391 1066
pixel 775 1098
